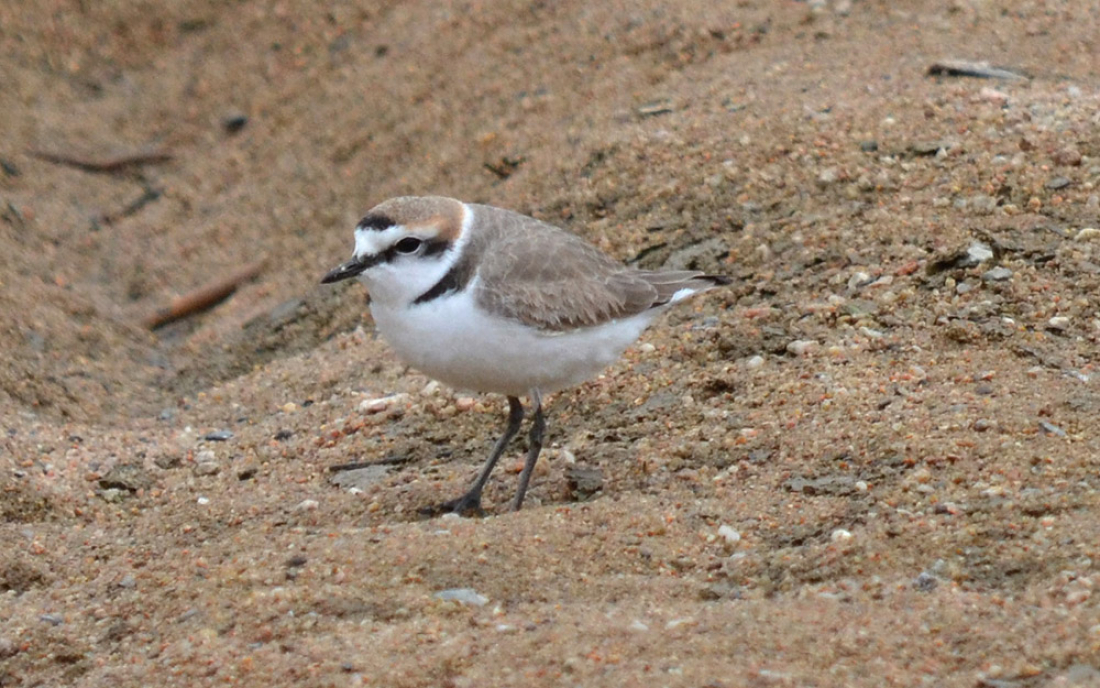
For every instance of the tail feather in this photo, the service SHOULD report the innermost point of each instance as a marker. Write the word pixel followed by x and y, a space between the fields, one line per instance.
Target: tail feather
pixel 675 285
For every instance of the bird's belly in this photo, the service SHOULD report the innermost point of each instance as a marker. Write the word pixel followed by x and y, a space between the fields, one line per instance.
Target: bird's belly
pixel 454 342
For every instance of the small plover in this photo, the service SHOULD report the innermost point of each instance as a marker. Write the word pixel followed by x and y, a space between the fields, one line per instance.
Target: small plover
pixel 490 300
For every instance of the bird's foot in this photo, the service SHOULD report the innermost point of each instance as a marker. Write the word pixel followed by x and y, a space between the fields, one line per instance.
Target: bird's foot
pixel 468 504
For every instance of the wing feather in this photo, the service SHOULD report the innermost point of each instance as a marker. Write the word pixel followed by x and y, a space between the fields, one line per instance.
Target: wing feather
pixel 551 279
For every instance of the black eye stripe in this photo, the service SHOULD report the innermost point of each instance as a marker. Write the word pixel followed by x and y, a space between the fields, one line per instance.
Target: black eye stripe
pixel 431 247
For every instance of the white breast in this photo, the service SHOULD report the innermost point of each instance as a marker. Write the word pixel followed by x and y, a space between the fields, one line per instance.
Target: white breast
pixel 454 341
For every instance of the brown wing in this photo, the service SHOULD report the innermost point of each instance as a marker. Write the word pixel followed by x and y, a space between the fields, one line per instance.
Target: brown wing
pixel 548 278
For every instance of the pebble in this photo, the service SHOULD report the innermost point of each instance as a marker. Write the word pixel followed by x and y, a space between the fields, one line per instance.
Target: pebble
pixel 359 478
pixel 840 535
pixel 1068 156
pixel 997 274
pixel 583 482
pixel 925 582
pixel 828 176
pixel 380 404
pixel 202 501
pixel 234 122
pixel 52 619
pixel 206 468
pixel 307 505
pixel 8 648
pixel 858 280
pixel 1051 429
pixel 1088 234
pixel 218 436
pixel 730 535
pixel 206 463
pixel 979 252
pixel 1058 322
pixel 463 595
pixel 113 495
pixel 126 476
pixel 168 461
pixel 802 347
pixel 754 362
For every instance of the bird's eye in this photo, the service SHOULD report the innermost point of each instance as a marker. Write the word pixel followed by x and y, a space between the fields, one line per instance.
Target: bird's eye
pixel 408 245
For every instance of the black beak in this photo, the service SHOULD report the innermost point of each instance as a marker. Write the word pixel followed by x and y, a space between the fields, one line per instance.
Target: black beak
pixel 346 271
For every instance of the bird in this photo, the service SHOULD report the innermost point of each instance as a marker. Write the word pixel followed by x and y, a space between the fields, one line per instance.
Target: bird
pixel 493 301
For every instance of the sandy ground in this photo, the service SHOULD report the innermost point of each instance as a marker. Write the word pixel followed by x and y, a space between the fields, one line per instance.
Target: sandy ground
pixel 870 461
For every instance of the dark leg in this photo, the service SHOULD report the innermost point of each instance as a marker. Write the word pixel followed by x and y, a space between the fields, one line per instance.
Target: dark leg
pixel 538 427
pixel 470 503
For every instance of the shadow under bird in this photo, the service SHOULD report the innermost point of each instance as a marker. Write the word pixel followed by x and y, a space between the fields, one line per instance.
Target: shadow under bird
pixel 490 300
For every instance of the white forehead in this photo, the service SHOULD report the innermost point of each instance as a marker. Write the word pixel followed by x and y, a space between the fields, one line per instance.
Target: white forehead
pixel 371 242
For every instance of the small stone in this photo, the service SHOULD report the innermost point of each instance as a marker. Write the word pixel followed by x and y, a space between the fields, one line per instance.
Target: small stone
pixel 168 461
pixel 307 505
pixel 380 404
pixel 1088 234
pixel 1068 156
pixel 463 595
pixel 718 591
pixel 861 486
pixel 925 582
pixel 113 495
pixel 727 533
pixel 979 253
pixel 234 123
pixel 206 468
pixel 8 648
pixel 828 176
pixel 982 424
pixel 997 274
pixel 359 478
pixel 840 535
pixel 1058 183
pixel 218 436
pixel 1051 429
pixel 52 619
pixel 206 463
pixel 1058 322
pixel 858 280
pixel 126 476
pixel 583 482
pixel 992 95
pixel 802 347
pixel 754 362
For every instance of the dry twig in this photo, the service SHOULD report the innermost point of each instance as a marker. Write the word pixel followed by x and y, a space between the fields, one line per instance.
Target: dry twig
pixel 202 298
